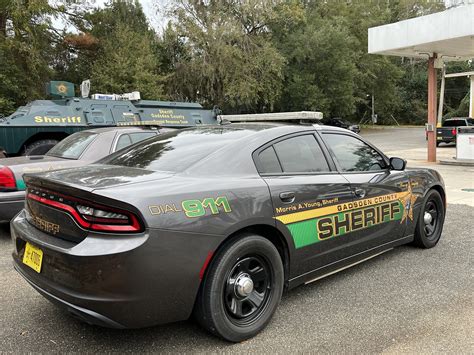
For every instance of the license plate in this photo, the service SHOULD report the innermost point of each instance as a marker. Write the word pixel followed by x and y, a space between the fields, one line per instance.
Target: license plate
pixel 439 138
pixel 33 257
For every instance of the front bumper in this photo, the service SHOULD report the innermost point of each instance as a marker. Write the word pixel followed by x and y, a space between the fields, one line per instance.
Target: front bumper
pixel 10 204
pixel 121 281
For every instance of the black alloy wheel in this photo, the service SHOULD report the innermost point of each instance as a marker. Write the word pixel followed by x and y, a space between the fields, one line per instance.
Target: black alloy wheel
pixel 430 222
pixel 430 219
pixel 247 290
pixel 241 288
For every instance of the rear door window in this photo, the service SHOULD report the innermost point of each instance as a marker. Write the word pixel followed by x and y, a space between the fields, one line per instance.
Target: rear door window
pixel 301 154
pixel 123 141
pixel 295 155
pixel 269 163
pixel 137 137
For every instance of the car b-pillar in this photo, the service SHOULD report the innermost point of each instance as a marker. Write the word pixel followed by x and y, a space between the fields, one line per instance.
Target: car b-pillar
pixel 432 92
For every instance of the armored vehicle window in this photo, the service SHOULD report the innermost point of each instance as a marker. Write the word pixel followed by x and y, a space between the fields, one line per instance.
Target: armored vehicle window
pixel 73 146
pixel 175 151
pixel 269 162
pixel 353 154
pixel 123 141
pixel 301 154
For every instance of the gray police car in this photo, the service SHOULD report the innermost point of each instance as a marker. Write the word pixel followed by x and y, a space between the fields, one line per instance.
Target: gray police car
pixel 78 149
pixel 217 221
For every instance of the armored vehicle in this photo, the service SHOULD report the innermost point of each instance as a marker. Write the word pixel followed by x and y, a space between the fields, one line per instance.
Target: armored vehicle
pixel 35 128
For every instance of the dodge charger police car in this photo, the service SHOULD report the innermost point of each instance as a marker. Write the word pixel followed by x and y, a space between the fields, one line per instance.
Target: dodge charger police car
pixel 217 221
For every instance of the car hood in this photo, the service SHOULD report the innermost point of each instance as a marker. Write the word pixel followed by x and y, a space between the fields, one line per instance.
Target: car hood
pixel 95 176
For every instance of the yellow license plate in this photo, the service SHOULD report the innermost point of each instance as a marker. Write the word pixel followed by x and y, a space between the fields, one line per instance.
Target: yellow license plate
pixel 439 138
pixel 33 257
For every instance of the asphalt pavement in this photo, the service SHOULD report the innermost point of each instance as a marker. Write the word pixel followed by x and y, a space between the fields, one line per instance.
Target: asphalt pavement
pixel 407 300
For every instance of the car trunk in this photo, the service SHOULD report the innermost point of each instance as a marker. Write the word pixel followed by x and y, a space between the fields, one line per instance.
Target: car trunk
pixel 63 203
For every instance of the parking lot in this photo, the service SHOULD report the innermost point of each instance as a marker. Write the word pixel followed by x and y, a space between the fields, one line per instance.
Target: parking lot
pixel 406 300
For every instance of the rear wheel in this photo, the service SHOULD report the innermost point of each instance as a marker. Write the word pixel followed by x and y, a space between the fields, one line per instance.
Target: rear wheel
pixel 242 289
pixel 431 220
pixel 39 147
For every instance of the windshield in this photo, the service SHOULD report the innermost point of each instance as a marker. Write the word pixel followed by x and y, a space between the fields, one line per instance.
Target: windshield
pixel 175 151
pixel 73 146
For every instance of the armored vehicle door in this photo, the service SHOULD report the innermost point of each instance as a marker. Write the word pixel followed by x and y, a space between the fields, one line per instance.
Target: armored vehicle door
pixel 123 113
pixel 98 115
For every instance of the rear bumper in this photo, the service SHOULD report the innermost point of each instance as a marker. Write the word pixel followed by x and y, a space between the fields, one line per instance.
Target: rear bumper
pixel 10 204
pixel 116 281
pixel 440 139
pixel 86 315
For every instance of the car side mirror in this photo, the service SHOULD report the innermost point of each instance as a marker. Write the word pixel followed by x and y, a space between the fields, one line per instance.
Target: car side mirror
pixel 397 163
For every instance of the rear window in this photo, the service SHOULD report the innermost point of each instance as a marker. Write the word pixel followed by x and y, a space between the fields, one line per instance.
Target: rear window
pixel 454 123
pixel 175 151
pixel 73 146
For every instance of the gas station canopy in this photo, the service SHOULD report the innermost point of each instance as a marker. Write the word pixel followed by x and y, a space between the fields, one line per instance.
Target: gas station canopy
pixel 449 33
pixel 439 37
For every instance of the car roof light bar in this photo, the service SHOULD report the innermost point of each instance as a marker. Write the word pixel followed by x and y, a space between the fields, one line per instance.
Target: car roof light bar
pixel 277 116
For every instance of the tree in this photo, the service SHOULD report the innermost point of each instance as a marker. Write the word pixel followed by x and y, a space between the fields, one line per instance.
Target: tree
pixel 229 60
pixel 25 42
pixel 127 63
pixel 320 67
pixel 115 48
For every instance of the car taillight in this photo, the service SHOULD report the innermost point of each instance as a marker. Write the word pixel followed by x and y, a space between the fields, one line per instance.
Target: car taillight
pixel 89 215
pixel 7 179
pixel 453 131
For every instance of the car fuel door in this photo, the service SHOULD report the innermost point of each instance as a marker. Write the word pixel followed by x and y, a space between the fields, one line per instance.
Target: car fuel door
pixel 381 196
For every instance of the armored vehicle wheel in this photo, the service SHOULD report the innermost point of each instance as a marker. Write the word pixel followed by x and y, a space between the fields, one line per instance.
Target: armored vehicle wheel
pixel 242 289
pixel 430 223
pixel 39 147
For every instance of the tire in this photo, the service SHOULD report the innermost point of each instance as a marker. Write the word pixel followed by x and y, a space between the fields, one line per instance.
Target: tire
pixel 39 147
pixel 238 312
pixel 428 231
pixel 437 144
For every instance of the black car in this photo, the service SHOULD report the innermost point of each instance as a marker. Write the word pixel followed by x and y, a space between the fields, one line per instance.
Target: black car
pixel 217 221
pixel 339 122
pixel 447 133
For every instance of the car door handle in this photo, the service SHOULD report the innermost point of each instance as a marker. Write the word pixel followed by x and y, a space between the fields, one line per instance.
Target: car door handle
pixel 360 193
pixel 287 197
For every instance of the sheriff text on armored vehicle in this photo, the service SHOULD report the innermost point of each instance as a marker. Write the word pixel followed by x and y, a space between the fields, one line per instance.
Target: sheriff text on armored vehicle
pixel 217 221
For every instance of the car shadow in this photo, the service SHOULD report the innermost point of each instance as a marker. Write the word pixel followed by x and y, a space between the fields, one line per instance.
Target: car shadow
pixel 5 230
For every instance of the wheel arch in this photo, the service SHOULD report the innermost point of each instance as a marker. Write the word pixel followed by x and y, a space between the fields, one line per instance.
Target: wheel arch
pixel 267 231
pixel 441 191
pixel 59 135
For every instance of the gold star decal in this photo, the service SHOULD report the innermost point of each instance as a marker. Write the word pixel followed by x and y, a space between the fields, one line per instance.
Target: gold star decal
pixel 407 201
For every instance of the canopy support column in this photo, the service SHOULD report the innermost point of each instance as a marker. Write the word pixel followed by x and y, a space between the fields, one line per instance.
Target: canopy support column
pixel 432 93
pixel 471 100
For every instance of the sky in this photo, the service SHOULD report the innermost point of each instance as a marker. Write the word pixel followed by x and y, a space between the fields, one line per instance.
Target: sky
pixel 155 10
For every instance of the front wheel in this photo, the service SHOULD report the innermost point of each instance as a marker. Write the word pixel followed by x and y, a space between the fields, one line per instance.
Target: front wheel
pixel 242 289
pixel 431 220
